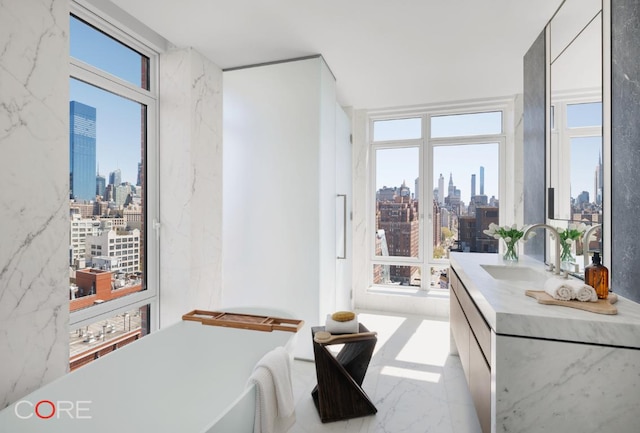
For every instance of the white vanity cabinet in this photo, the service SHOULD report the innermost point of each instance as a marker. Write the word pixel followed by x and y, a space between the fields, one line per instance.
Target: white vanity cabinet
pixel 542 368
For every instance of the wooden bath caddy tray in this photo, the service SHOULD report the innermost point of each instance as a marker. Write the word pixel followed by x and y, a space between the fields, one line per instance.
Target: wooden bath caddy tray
pixel 244 321
pixel 601 306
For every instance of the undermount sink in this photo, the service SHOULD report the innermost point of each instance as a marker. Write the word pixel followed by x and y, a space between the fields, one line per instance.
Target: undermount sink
pixel 514 273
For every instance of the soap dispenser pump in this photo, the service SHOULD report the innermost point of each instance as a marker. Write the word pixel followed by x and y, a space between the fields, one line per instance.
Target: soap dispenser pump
pixel 597 276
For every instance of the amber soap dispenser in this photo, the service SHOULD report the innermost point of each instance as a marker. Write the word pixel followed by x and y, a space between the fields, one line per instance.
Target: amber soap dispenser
pixel 597 276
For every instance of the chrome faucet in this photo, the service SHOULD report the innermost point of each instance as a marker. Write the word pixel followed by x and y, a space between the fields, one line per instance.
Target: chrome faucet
pixel 556 236
pixel 585 243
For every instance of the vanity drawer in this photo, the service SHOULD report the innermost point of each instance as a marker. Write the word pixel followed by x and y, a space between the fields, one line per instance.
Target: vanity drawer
pixel 479 326
pixel 480 385
pixel 461 332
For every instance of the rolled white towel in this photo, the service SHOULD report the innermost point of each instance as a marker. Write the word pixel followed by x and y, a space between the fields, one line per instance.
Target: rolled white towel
pixel 584 292
pixel 335 327
pixel 558 289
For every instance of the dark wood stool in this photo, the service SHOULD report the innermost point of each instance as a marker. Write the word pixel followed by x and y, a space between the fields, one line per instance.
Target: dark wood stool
pixel 339 394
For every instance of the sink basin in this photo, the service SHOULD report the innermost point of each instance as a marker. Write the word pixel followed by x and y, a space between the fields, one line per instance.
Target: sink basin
pixel 514 273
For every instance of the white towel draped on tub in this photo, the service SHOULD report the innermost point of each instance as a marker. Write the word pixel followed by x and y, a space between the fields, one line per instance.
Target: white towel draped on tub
pixel 566 289
pixel 275 407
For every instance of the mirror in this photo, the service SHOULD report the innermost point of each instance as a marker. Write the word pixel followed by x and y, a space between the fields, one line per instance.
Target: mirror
pixel 575 149
pixel 576 110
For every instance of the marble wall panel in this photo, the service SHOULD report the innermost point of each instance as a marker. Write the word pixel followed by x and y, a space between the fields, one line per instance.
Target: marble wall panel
pixel 625 147
pixel 191 184
pixel 34 173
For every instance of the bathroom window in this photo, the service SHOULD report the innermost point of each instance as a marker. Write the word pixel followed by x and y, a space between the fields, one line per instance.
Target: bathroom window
pixel 112 170
pixel 397 207
pixel 397 129
pixel 466 125
pixel 468 175
pixel 435 183
pixel 94 340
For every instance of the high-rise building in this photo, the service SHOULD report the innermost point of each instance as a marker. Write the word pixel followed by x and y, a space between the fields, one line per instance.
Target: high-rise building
pixel 80 229
pixel 387 194
pixel 82 151
pixel 441 194
pixel 139 180
pixel 121 192
pixel 115 177
pixel 399 222
pixel 452 200
pixel 583 198
pixel 473 185
pixel 124 247
pixel 481 180
pixel 101 184
pixel 598 182
pixel 405 191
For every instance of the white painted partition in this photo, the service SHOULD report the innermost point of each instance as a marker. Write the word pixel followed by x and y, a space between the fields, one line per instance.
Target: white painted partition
pixel 279 177
pixel 187 377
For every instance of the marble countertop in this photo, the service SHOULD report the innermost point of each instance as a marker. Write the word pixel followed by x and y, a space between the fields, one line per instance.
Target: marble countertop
pixel 509 311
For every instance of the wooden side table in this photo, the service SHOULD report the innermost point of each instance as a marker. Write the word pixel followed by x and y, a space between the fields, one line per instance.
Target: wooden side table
pixel 339 394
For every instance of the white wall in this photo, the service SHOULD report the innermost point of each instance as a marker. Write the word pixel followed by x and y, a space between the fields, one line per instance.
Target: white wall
pixel 190 184
pixel 34 173
pixel 279 205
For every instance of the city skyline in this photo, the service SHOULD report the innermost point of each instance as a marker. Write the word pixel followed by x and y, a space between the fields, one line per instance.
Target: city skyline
pixel 119 125
pixel 117 133
pixel 393 166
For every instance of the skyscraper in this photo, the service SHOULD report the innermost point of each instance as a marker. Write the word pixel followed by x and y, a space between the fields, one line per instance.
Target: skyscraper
pixel 82 154
pixel 101 184
pixel 441 194
pixel 473 185
pixel 139 180
pixel 115 177
pixel 481 180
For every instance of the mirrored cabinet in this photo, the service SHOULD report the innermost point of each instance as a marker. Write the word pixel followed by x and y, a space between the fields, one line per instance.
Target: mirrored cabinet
pixel 575 145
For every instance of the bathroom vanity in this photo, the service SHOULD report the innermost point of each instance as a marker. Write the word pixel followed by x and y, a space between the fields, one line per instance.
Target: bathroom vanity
pixel 541 368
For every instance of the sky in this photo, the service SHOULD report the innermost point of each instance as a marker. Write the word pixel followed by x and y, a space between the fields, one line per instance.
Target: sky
pixel 118 124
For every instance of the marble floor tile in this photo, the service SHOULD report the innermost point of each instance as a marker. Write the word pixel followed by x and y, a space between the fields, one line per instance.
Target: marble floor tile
pixel 415 384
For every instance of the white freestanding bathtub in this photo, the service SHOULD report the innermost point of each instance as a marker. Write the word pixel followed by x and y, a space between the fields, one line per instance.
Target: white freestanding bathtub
pixel 187 378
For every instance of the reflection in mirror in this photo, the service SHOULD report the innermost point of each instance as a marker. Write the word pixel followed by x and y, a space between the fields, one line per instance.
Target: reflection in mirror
pixel 575 151
pixel 580 249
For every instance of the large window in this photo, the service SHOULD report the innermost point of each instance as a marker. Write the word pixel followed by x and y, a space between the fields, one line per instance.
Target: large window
pixel 435 183
pixel 112 148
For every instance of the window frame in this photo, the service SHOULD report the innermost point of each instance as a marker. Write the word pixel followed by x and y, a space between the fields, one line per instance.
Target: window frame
pixel 426 145
pixel 110 83
pixel 558 150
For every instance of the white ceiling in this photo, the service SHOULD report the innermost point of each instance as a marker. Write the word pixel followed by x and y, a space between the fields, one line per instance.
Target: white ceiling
pixel 384 53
